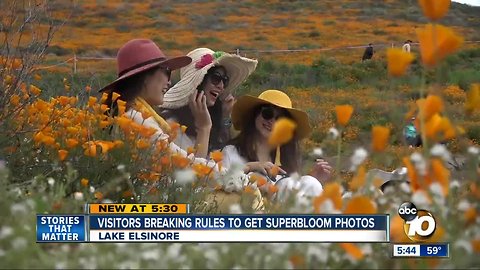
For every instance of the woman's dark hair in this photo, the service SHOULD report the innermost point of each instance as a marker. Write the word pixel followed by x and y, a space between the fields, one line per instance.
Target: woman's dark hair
pixel 184 116
pixel 245 144
pixel 128 89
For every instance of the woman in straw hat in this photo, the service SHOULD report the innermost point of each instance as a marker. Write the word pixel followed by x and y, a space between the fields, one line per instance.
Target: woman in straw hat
pixel 214 75
pixel 143 78
pixel 255 117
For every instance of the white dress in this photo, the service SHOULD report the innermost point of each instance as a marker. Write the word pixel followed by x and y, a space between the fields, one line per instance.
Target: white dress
pixel 306 185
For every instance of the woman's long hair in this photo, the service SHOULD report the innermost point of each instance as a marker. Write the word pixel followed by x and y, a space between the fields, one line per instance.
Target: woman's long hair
pixel 184 116
pixel 128 89
pixel 245 143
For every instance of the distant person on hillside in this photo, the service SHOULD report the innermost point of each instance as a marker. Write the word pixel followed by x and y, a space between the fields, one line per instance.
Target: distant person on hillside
pixel 411 135
pixel 406 46
pixel 368 54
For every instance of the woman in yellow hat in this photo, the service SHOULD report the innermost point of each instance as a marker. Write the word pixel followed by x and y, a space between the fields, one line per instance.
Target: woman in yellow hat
pixel 255 117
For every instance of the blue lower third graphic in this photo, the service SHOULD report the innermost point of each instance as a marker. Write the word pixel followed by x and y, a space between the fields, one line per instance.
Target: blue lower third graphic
pixel 61 228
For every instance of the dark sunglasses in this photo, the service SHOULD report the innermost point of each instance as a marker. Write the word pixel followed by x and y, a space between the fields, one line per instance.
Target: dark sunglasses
pixel 216 78
pixel 269 112
pixel 167 71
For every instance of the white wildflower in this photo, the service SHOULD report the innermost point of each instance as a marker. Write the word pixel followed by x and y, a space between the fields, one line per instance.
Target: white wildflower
pixel 454 184
pixel 333 133
pixel 235 209
pixel 302 205
pixel 212 255
pixel 420 199
pixel 19 243
pixel 366 249
pixel 318 252
pixel 51 181
pixel 347 195
pixel 107 201
pixel 2 252
pixel 18 208
pixel 5 232
pixel 463 205
pixel 60 265
pixel 78 196
pixel 317 152
pixel 92 189
pixel 473 150
pixel 420 163
pixel 150 254
pixel 405 187
pixel 441 151
pixel 174 250
pixel 463 244
pixel 358 158
pixel 184 176
pixel 121 167
pixel 279 248
pixel 436 189
pixel 327 207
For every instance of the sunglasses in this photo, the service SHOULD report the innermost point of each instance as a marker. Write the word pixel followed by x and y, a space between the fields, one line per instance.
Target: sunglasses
pixel 216 78
pixel 269 112
pixel 168 72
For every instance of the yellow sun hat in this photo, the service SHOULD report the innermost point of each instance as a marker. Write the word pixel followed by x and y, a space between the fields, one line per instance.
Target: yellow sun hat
pixel 245 105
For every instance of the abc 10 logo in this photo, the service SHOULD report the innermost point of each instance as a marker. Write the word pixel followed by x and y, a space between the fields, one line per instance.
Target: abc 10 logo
pixel 419 225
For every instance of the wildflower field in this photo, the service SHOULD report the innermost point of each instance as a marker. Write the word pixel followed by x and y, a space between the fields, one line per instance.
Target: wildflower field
pixel 57 151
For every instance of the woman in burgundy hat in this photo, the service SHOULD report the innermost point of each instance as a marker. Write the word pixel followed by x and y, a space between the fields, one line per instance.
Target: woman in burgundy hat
pixel 143 79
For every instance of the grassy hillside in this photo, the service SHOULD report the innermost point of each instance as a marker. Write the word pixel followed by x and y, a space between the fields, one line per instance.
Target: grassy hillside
pixel 98 28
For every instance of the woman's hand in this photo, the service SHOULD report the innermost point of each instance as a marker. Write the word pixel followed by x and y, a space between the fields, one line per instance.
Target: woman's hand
pixel 198 106
pixel 264 168
pixel 227 106
pixel 321 170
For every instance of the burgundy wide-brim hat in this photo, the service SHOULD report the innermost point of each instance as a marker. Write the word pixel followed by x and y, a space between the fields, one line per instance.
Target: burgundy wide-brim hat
pixel 139 55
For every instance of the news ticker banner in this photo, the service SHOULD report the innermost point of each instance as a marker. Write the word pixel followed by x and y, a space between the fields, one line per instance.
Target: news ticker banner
pixel 157 223
pixel 421 250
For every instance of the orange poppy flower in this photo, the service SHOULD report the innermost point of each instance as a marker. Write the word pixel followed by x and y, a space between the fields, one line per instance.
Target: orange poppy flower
pixel 412 174
pixel 282 132
pixel 15 100
pixel 332 191
pixel 430 106
pixel 352 250
pixel 142 144
pixel 358 180
pixel 91 101
pixel 98 195
pixel 115 96
pixel 441 175
pixel 122 105
pixel 297 261
pixel 217 156
pixel 397 231
pixel 473 98
pixel 476 245
pixel 380 137
pixel 398 61
pixel 90 149
pixel 360 205
pixel 35 90
pixel 180 161
pixel 344 112
pixel 88 88
pixel 84 182
pixel 434 9
pixel 470 215
pixel 62 154
pixel 436 42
